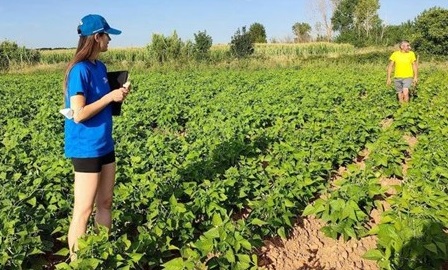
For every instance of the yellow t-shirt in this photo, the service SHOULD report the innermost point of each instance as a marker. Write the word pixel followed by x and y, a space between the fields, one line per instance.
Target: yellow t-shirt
pixel 403 64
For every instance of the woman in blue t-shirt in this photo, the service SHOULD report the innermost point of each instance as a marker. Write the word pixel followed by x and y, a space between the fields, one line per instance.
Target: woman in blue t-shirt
pixel 88 128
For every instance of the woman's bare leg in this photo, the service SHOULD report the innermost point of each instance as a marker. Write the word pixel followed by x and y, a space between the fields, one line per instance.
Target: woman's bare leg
pixel 85 190
pixel 104 196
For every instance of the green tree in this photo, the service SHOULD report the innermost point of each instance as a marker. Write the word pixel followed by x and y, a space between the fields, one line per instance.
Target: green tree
pixel 395 33
pixel 164 49
pixel 343 17
pixel 431 28
pixel 302 32
pixel 241 44
pixel 357 22
pixel 366 16
pixel 203 43
pixel 257 33
pixel 344 22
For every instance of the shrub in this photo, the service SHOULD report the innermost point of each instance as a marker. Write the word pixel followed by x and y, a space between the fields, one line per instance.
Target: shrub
pixel 11 53
pixel 241 44
pixel 164 49
pixel 203 43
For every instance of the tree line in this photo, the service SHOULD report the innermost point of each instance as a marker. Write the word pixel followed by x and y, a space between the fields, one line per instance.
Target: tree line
pixel 357 22
pixel 354 22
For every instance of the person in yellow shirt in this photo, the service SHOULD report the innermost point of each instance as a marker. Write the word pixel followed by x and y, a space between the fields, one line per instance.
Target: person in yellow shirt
pixel 406 70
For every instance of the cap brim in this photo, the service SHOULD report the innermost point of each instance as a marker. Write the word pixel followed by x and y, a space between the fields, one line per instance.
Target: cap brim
pixel 112 31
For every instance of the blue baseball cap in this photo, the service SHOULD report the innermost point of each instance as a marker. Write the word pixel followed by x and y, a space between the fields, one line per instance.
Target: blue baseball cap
pixel 92 24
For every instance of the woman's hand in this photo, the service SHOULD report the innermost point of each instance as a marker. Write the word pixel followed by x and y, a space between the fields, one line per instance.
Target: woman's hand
pixel 126 88
pixel 117 95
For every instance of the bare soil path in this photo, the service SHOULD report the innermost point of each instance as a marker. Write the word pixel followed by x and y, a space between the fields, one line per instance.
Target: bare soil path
pixel 308 248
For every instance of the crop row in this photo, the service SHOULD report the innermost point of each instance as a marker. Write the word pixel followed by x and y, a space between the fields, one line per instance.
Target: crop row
pixel 210 163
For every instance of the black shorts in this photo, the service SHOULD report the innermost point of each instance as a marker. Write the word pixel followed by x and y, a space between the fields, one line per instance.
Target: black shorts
pixel 92 165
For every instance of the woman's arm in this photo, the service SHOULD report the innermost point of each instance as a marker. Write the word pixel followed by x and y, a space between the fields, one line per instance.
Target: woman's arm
pixel 82 112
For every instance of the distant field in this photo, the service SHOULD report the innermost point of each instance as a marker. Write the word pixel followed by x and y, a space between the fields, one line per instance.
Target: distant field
pixel 217 52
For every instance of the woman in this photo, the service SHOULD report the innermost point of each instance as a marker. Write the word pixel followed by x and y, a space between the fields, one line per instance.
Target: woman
pixel 88 132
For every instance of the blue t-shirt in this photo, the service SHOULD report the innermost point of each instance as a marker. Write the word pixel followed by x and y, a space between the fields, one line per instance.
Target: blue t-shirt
pixel 93 137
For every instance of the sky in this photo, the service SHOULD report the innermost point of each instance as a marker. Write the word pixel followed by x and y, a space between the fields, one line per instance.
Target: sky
pixel 53 23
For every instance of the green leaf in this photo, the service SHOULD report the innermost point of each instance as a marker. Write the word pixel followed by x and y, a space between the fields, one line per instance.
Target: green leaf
pixel 205 245
pixel 309 210
pixel 431 247
pixel 329 231
pixel 230 256
pixel 374 230
pixel 136 159
pixel 173 200
pixel 373 254
pixel 174 264
pixel 417 210
pixel 172 247
pixel 135 257
pixel 387 219
pixel 337 204
pixel 243 258
pixel 348 211
pixel 63 252
pixel 242 266
pixel 63 266
pixel 245 244
pixel 32 201
pixel 350 232
pixel 382 160
pixel 289 204
pixel 442 246
pixel 212 233
pixel 281 232
pixel 36 251
pixel 258 222
pixel 22 196
pixel 216 220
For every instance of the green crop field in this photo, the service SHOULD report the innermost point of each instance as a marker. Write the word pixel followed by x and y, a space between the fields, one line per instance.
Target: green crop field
pixel 211 162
